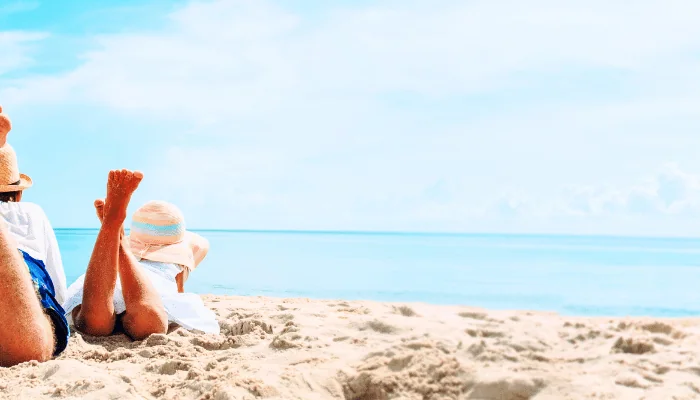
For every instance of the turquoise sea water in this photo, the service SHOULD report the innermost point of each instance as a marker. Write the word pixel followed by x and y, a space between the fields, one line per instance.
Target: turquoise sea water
pixel 573 275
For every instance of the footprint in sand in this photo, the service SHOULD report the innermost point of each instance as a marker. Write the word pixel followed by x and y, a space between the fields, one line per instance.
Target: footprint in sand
pixel 379 327
pixel 355 310
pixel 632 346
pixel 507 388
pixel 632 381
pixel 406 311
pixel 289 338
pixel 247 326
pixel 284 317
pixel 233 335
pixel 402 372
pixel 473 315
pixel 484 333
pixel 157 340
pixel 662 328
pixel 169 367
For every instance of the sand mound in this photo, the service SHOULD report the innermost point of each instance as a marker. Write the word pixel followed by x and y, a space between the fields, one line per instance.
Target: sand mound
pixel 411 370
pixel 304 349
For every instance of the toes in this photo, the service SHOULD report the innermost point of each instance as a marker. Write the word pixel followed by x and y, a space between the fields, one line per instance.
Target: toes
pixel 99 208
pixel 124 177
pixel 136 178
pixel 116 176
pixel 132 178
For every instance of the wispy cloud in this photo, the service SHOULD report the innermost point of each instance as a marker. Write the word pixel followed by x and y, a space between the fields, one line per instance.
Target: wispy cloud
pixel 10 8
pixel 15 48
pixel 670 191
pixel 437 115
pixel 235 57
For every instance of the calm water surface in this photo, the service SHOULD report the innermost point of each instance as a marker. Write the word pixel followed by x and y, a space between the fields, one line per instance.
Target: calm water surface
pixel 571 275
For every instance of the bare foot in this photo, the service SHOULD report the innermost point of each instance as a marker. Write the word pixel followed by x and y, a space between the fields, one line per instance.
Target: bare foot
pixel 120 186
pixel 100 209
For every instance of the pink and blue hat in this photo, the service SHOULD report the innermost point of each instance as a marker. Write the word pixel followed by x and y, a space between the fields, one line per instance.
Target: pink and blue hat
pixel 158 233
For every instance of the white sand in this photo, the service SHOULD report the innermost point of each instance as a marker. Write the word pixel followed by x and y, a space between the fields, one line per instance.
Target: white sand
pixel 309 349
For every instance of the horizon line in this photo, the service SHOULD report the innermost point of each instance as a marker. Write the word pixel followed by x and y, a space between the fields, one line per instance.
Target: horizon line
pixel 409 233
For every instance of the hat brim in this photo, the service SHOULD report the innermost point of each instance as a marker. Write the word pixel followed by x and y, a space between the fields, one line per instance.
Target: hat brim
pixel 188 252
pixel 25 182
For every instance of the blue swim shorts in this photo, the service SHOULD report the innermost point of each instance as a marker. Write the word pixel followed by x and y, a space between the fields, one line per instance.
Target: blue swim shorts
pixel 47 295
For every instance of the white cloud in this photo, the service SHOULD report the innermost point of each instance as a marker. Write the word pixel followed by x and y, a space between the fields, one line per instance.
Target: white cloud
pixel 15 47
pixel 249 58
pixel 670 191
pixel 309 128
pixel 10 8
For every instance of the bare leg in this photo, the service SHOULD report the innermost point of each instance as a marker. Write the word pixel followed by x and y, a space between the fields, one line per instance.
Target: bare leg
pixel 25 331
pixel 96 314
pixel 145 314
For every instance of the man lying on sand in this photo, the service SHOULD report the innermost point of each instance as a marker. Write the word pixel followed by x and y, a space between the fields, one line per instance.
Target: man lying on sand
pixel 141 295
pixel 33 283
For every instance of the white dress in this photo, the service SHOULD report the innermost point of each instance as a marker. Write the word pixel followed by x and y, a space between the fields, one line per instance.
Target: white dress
pixel 184 309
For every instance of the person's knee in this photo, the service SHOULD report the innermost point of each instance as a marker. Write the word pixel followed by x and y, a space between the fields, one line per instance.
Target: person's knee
pixel 94 324
pixel 36 344
pixel 142 321
pixel 40 352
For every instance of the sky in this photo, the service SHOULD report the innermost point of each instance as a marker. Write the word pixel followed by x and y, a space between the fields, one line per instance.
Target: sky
pixel 544 116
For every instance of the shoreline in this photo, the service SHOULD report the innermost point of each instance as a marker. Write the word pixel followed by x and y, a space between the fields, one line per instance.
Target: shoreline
pixel 541 235
pixel 288 348
pixel 509 311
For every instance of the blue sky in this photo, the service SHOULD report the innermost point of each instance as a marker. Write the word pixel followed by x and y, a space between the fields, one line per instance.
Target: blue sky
pixel 443 115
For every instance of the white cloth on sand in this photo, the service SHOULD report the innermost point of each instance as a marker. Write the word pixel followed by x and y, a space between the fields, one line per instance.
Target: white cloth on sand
pixel 184 309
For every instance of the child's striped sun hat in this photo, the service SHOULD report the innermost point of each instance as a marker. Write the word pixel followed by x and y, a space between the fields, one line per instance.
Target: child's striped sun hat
pixel 158 233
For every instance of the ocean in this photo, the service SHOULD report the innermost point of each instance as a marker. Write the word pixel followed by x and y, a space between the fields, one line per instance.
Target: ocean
pixel 572 275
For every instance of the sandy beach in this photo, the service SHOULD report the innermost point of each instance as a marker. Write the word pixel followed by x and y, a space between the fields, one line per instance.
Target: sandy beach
pixel 316 349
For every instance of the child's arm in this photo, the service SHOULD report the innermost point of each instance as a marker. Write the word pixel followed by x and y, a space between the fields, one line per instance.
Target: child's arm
pixel 181 278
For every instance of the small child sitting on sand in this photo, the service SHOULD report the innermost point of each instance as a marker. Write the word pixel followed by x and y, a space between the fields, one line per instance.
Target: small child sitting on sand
pixel 153 263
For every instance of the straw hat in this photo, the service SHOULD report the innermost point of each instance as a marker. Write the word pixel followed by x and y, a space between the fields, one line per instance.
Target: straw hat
pixel 158 234
pixel 10 178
